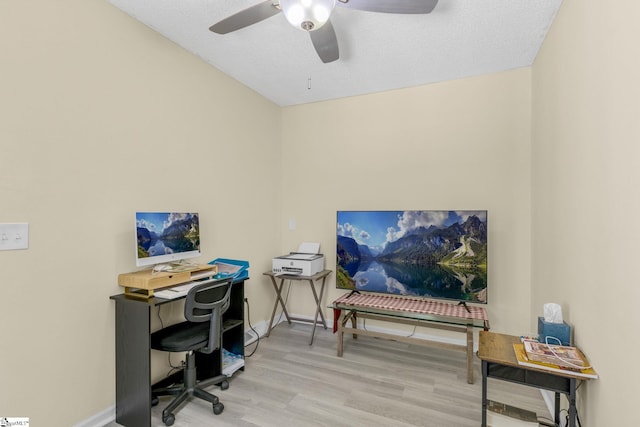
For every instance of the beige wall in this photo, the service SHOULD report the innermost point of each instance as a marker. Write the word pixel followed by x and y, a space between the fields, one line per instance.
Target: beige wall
pixel 586 170
pixel 96 109
pixel 100 117
pixel 442 146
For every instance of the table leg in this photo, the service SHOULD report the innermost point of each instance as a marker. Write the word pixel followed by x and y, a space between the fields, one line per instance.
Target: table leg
pixel 341 322
pixel 485 371
pixel 284 307
pixel 324 321
pixel 469 354
pixel 354 323
pixel 556 408
pixel 278 301
pixel 572 402
pixel 318 299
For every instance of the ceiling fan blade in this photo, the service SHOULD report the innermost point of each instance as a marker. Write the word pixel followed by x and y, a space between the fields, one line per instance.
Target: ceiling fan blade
pixel 246 17
pixel 391 6
pixel 325 41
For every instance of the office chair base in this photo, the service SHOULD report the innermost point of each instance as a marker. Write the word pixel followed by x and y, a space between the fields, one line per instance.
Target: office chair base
pixel 168 420
pixel 167 414
pixel 190 387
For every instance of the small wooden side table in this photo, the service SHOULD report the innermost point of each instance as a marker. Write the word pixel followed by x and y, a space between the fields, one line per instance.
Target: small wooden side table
pixel 317 296
pixel 499 362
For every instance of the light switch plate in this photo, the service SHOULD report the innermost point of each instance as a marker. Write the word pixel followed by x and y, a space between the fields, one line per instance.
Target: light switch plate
pixel 14 236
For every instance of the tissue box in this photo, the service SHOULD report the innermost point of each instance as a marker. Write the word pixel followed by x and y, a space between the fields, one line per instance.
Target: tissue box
pixel 561 331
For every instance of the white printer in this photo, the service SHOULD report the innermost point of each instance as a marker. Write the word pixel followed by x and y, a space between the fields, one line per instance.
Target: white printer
pixel 305 262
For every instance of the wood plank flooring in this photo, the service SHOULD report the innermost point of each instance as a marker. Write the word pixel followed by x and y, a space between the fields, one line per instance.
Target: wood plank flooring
pixel 376 383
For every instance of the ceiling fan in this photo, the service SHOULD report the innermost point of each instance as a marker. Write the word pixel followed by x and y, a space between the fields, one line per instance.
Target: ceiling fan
pixel 313 16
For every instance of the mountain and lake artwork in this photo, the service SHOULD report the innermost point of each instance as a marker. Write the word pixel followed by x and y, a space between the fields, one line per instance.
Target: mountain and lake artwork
pixel 434 254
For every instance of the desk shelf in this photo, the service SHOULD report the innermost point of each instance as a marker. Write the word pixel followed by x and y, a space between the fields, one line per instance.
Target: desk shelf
pixel 526 376
pixel 230 324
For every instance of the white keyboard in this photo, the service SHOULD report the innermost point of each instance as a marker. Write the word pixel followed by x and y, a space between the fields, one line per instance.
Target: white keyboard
pixel 202 275
pixel 176 291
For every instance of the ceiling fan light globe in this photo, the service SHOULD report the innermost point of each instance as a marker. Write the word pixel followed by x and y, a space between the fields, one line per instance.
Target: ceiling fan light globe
pixel 307 15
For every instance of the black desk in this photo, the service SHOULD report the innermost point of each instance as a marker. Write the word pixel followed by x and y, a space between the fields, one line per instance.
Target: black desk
pixel 499 362
pixel 133 352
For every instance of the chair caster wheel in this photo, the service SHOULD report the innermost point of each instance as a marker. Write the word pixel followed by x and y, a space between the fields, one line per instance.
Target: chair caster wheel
pixel 224 385
pixel 154 400
pixel 218 408
pixel 169 420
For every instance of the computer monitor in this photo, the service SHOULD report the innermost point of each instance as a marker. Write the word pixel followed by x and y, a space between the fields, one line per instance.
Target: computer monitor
pixel 164 239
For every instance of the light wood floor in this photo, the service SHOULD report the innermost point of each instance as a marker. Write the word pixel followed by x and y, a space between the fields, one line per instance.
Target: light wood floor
pixel 376 383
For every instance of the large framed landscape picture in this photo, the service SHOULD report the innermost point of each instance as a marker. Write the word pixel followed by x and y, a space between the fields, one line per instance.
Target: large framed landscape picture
pixel 423 253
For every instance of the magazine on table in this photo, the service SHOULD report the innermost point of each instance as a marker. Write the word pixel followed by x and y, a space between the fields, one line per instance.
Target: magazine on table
pixel 562 355
pixel 521 356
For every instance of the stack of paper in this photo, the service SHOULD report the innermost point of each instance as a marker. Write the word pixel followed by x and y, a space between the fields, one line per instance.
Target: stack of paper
pixel 231 362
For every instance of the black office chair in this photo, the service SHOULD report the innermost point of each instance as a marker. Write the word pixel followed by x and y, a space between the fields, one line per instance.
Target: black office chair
pixel 203 310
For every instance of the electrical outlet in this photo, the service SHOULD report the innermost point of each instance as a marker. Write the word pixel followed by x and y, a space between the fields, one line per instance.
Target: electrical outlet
pixel 14 236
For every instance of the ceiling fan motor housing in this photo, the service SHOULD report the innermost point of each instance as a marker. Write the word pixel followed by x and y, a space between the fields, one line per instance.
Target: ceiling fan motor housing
pixel 307 15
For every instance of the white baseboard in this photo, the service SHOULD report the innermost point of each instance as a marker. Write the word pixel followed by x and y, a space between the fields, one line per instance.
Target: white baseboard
pixel 250 334
pixel 100 419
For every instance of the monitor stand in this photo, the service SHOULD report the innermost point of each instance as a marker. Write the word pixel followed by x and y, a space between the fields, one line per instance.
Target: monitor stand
pixel 355 291
pixel 464 304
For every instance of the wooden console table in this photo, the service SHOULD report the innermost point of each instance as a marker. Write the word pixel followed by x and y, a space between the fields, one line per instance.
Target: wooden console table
pixel 411 311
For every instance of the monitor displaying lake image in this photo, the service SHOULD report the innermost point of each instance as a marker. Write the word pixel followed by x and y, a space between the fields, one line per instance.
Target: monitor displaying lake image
pixel 434 254
pixel 166 237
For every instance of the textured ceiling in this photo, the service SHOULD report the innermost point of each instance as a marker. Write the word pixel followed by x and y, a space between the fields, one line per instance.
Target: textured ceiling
pixel 378 52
